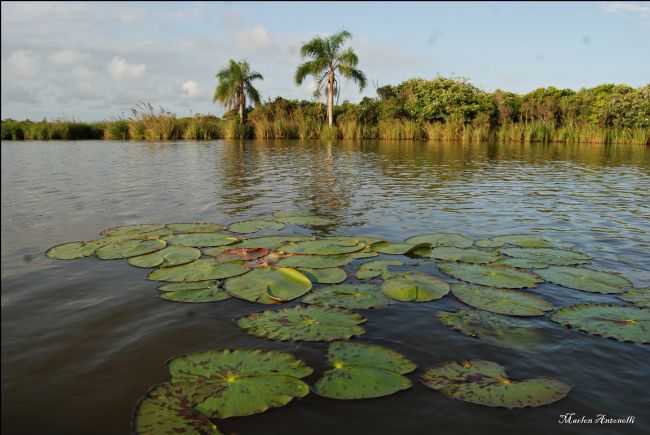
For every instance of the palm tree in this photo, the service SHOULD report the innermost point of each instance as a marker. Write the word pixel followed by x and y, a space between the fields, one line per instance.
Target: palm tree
pixel 235 83
pixel 328 59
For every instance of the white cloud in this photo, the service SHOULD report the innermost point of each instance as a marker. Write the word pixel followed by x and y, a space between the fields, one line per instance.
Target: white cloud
pixel 23 63
pixel 120 69
pixel 256 38
pixel 65 57
pixel 627 7
pixel 190 89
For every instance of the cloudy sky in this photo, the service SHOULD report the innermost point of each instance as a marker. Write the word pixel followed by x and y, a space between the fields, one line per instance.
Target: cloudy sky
pixel 93 61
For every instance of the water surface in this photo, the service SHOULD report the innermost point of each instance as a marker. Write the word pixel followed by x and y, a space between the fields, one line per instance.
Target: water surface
pixel 83 340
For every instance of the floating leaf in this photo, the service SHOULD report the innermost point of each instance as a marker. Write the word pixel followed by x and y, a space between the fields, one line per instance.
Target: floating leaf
pixel 451 253
pixel 415 287
pixel 331 275
pixel 241 382
pixel 201 240
pixel 300 323
pixel 129 248
pixel 397 248
pixel 168 409
pixel 558 257
pixel 521 240
pixel 302 218
pixel 130 230
pixel 492 328
pixel 196 296
pixel 486 383
pixel 322 247
pixel 501 301
pixel 364 253
pixel 494 276
pixel 195 227
pixel 442 239
pixel 224 254
pixel 269 286
pixel 352 296
pixel 363 371
pixel 198 285
pixel 199 270
pixel 271 242
pixel 367 240
pixel 74 250
pixel 373 269
pixel 254 225
pixel 612 321
pixel 316 261
pixel 588 280
pixel 520 263
pixel 167 257
pixel 638 296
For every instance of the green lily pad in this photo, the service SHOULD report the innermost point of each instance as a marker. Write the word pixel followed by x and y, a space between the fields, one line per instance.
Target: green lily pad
pixel 316 261
pixel 492 328
pixel 129 248
pixel 301 323
pixel 167 257
pixel 197 285
pixel 254 225
pixel 415 287
pixel 621 323
pixel 552 257
pixel 442 239
pixel 367 240
pixel 322 247
pixel 363 371
pixel 584 279
pixel 201 240
pixel 195 227
pixel 501 301
pixel 271 242
pixel 199 270
pixel 302 219
pixel 520 263
pixel 214 294
pixel 486 383
pixel 266 285
pixel 451 253
pixel 331 275
pixel 131 230
pixel 521 240
pixel 373 269
pixel 397 248
pixel 351 296
pixel 168 409
pixel 364 253
pixel 494 276
pixel 224 254
pixel 241 382
pixel 74 250
pixel 638 296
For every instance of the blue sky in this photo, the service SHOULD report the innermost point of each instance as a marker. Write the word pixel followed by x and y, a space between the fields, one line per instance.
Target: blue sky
pixel 94 61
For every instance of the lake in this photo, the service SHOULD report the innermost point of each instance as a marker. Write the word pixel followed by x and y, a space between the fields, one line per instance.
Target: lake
pixel 83 340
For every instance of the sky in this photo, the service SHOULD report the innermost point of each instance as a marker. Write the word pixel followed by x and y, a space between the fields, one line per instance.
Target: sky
pixel 94 61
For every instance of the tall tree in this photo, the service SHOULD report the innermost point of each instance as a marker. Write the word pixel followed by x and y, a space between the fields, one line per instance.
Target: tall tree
pixel 235 83
pixel 327 59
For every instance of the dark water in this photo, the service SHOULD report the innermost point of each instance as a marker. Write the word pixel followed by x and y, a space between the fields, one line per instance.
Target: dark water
pixel 83 340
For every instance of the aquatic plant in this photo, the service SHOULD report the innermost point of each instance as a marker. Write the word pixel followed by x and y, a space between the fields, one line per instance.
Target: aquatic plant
pixel 415 287
pixel 266 285
pixel 351 296
pixel 496 276
pixel 582 278
pixel 501 301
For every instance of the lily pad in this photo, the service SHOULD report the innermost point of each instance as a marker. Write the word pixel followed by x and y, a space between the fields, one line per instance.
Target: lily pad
pixel 397 248
pixel 520 263
pixel 486 383
pixel 130 230
pixel 271 242
pixel 367 240
pixel 621 323
pixel 167 257
pixel 331 275
pixel 195 227
pixel 199 270
pixel 322 247
pixel 450 253
pixel 201 240
pixel 442 239
pixel 198 285
pixel 495 276
pixel 214 294
pixel 363 371
pixel 415 287
pixel 492 328
pixel 316 261
pixel 266 285
pixel 241 382
pixel 584 279
pixel 168 409
pixel 301 323
pixel 302 219
pixel 373 269
pixel 638 296
pixel 224 254
pixel 129 248
pixel 552 257
pixel 521 240
pixel 254 225
pixel 351 296
pixel 74 250
pixel 501 301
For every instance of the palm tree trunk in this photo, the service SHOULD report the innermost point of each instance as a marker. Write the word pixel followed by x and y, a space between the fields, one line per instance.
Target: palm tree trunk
pixel 242 105
pixel 330 97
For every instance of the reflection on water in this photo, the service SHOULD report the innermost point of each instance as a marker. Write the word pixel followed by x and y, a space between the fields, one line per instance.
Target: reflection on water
pixel 81 341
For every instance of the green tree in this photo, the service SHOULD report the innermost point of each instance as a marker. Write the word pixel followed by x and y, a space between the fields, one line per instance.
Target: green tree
pixel 235 83
pixel 327 59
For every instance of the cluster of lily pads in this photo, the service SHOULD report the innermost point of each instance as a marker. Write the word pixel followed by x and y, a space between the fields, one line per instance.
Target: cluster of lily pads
pixel 208 262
